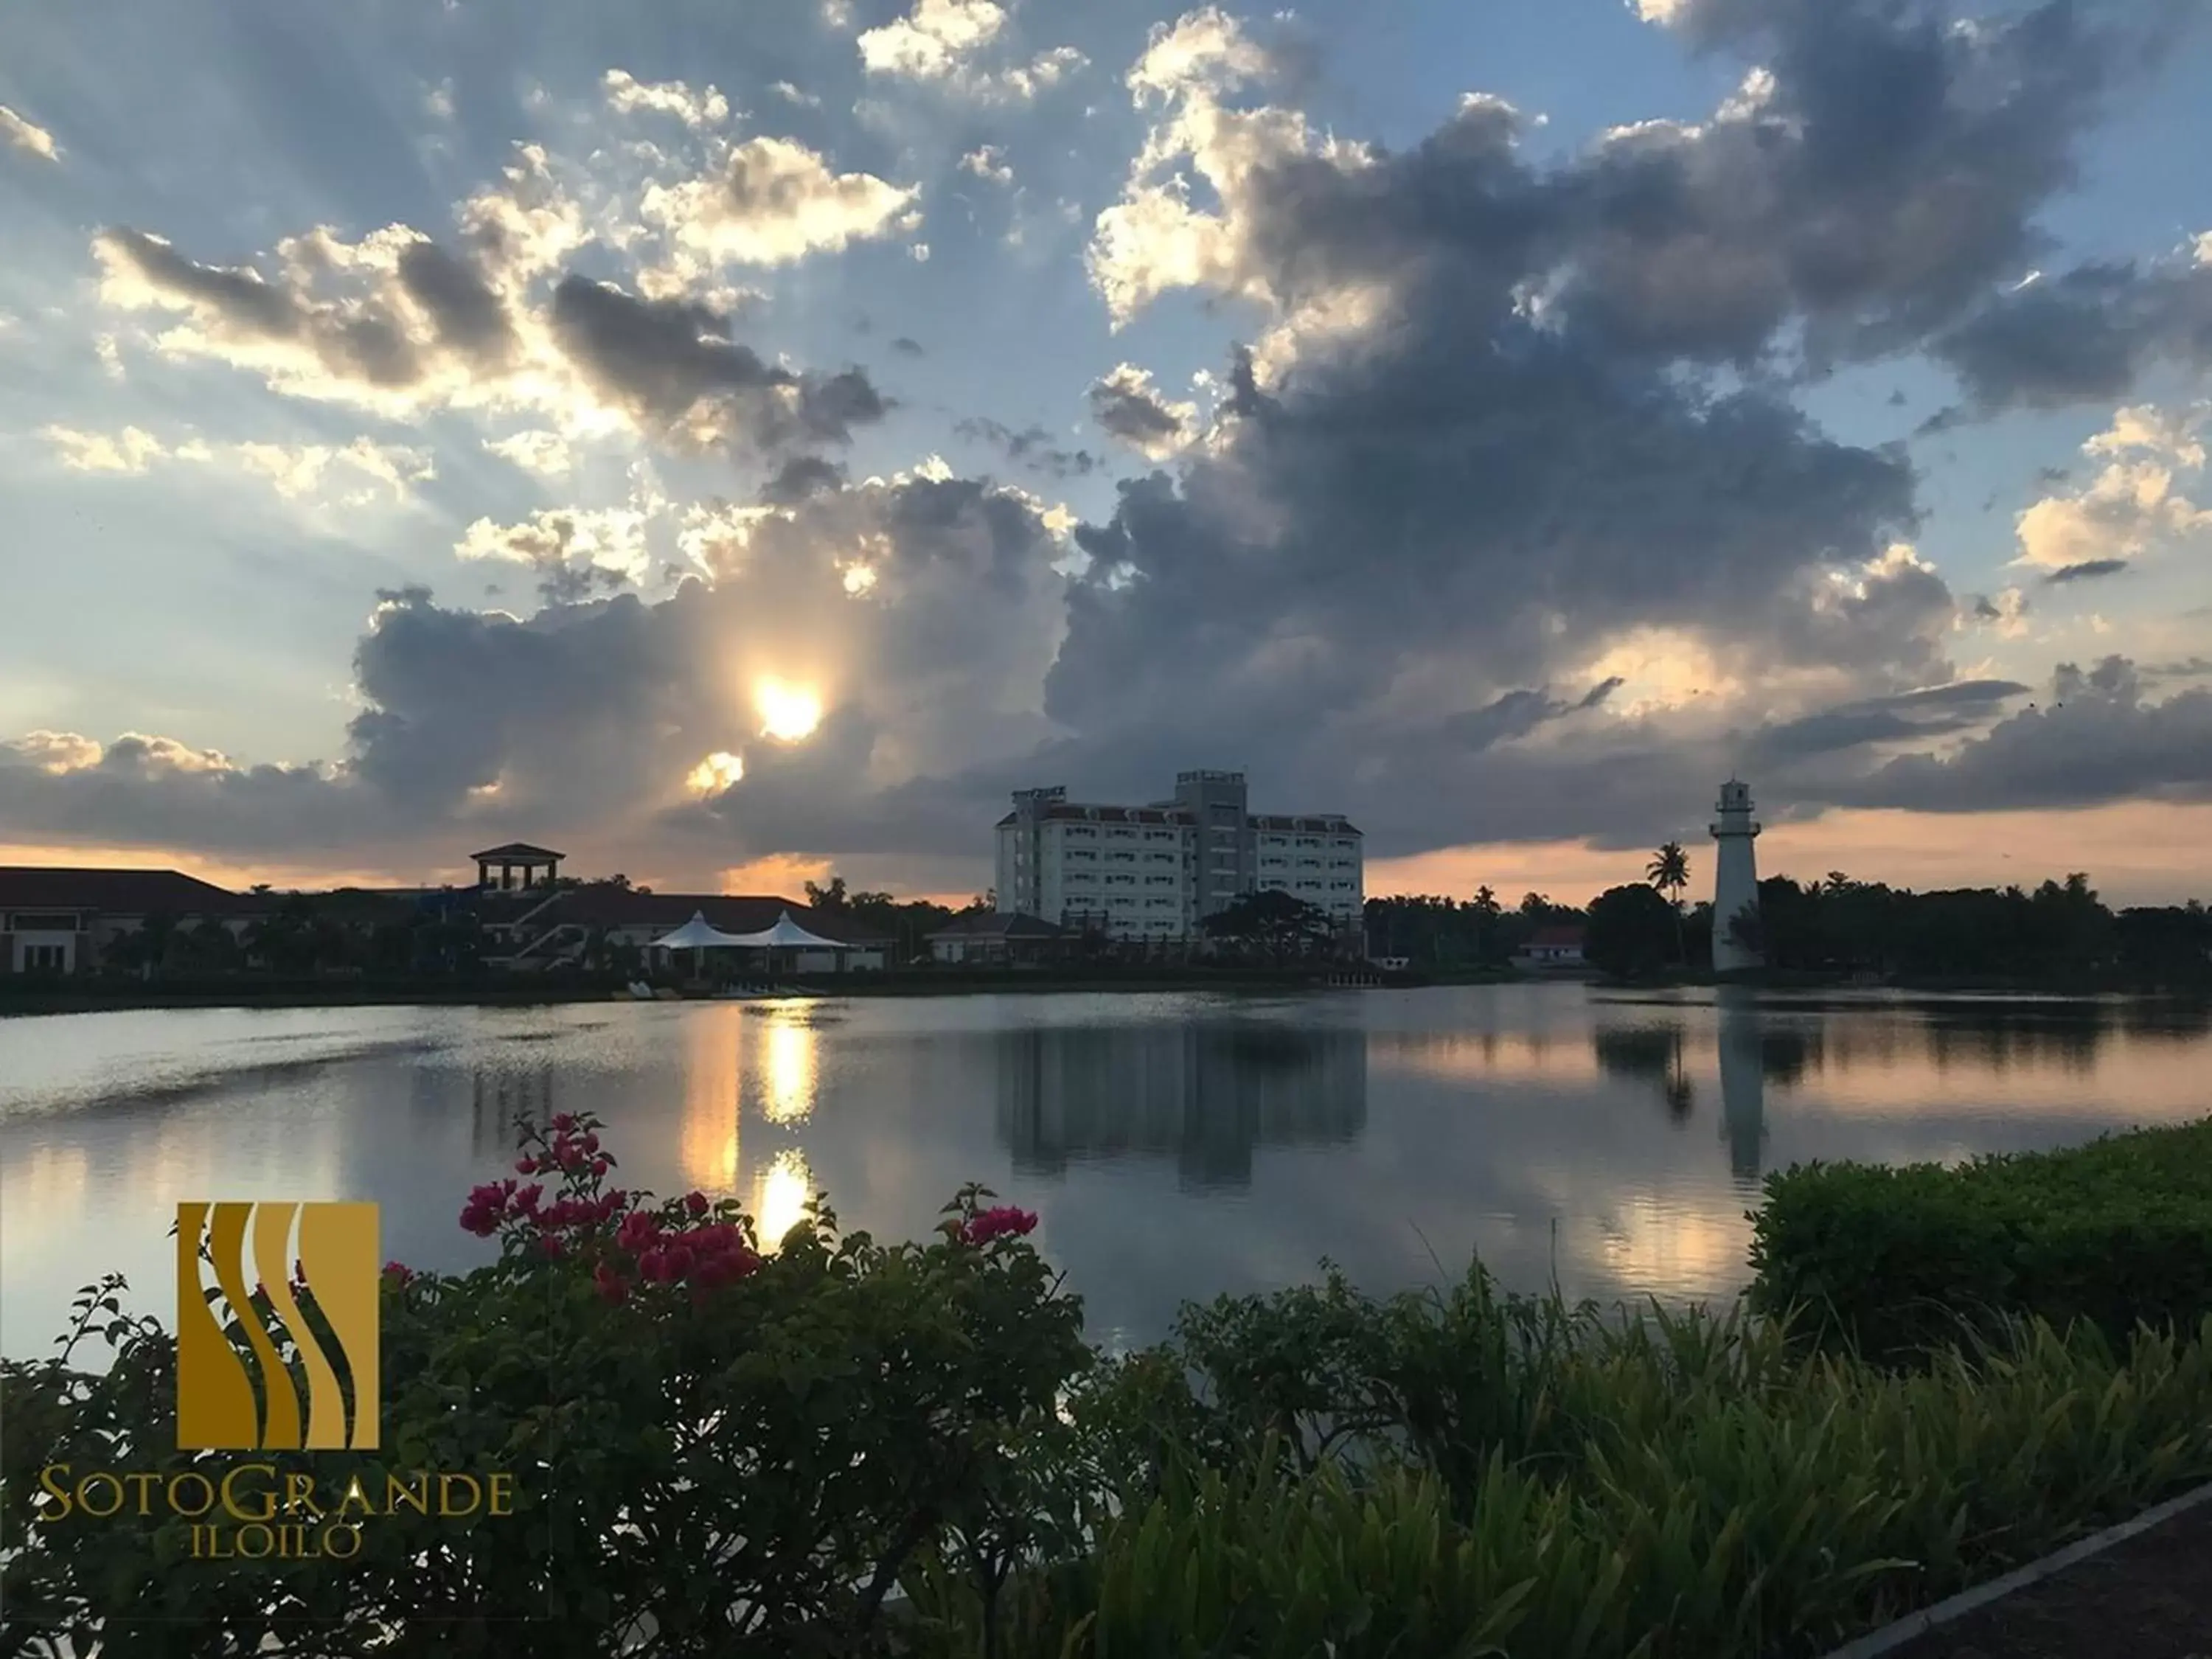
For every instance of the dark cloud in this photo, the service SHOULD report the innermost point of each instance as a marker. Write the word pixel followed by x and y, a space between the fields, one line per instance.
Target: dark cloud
pixel 1879 172
pixel 2098 741
pixel 906 346
pixel 360 338
pixel 1031 447
pixel 1125 406
pixel 1465 488
pixel 801 477
pixel 467 316
pixel 672 365
pixel 1911 716
pixel 917 669
pixel 2086 570
pixel 2087 335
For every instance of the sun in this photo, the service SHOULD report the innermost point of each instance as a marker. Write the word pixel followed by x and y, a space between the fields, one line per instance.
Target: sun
pixel 789 712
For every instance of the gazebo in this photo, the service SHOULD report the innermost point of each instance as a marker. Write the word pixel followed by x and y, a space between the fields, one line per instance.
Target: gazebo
pixel 517 855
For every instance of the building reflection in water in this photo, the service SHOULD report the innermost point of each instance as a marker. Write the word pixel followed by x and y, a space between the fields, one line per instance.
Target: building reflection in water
pixel 501 1098
pixel 1743 1079
pixel 1205 1094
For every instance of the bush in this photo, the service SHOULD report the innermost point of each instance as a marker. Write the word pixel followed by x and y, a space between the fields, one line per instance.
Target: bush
pixel 735 1451
pixel 1892 1260
pixel 1466 1472
pixel 720 1449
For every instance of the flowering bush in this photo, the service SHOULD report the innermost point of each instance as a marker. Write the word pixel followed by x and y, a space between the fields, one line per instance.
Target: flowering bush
pixel 717 1445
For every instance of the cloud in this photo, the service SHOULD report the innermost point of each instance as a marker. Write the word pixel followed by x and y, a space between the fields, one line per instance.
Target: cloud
pixel 1916 716
pixel 1873 177
pixel 673 367
pixel 914 666
pixel 570 548
pixel 1031 447
pixel 930 43
pixel 131 450
pixel 2099 740
pixel 771 202
pixel 695 109
pixel 2007 613
pixel 1125 404
pixel 545 453
pixel 940 43
pixel 2088 569
pixel 2086 336
pixel 28 134
pixel 296 471
pixel 988 162
pixel 2132 506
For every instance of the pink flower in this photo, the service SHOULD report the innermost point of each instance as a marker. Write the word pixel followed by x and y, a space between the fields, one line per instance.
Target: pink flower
pixel 526 1166
pixel 591 1142
pixel 998 1223
pixel 638 1229
pixel 399 1271
pixel 563 1121
pixel 601 1166
pixel 696 1202
pixel 611 1286
pixel 550 1245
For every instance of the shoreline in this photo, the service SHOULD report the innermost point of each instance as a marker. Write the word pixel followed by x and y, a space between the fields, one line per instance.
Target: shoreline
pixel 433 994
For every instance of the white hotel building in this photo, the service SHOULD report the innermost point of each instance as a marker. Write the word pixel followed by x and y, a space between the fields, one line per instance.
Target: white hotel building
pixel 1157 872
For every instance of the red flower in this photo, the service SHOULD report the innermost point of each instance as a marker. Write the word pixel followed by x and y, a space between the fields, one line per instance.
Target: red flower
pixel 550 1245
pixel 638 1229
pixel 591 1142
pixel 563 1121
pixel 526 1166
pixel 998 1223
pixel 399 1271
pixel 601 1166
pixel 611 1286
pixel 696 1202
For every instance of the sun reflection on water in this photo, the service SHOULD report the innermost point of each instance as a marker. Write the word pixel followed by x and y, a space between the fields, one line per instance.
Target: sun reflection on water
pixel 788 1065
pixel 779 1194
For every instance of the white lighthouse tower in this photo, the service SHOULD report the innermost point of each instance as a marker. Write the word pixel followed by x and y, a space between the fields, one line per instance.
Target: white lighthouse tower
pixel 1735 878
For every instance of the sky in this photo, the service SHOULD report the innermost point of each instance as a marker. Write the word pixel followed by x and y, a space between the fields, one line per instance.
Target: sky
pixel 734 443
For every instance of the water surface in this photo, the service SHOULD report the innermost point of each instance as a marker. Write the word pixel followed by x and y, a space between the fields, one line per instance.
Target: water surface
pixel 1175 1145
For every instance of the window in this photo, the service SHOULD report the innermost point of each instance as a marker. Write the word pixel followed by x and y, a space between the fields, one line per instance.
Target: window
pixel 42 958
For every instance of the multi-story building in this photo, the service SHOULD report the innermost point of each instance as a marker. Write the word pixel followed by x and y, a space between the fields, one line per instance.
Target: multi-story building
pixel 1157 872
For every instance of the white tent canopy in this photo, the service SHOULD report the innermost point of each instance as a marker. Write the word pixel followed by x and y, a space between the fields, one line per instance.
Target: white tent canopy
pixel 786 934
pixel 697 934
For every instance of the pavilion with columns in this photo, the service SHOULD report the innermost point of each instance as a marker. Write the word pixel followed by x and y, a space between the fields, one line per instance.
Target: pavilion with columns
pixel 497 867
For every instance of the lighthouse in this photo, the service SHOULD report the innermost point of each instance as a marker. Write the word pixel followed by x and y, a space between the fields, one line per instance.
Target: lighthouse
pixel 1735 878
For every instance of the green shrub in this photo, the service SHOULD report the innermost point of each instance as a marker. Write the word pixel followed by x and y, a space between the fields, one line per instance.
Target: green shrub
pixel 1895 1260
pixel 723 1450
pixel 734 1450
pixel 1464 1472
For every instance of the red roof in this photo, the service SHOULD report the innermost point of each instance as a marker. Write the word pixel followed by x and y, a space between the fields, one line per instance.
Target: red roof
pixel 602 906
pixel 120 892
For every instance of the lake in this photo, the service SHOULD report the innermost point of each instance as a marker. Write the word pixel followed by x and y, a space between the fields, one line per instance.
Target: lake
pixel 1175 1145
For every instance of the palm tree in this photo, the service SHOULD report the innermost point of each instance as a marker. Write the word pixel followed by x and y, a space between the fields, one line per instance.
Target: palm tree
pixel 1669 871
